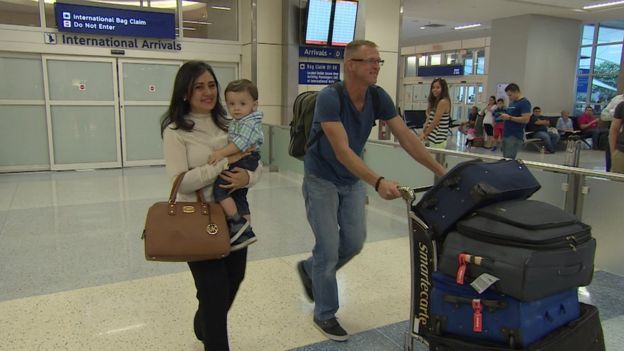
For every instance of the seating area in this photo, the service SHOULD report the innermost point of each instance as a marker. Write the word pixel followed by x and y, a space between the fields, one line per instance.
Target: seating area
pixel 537 143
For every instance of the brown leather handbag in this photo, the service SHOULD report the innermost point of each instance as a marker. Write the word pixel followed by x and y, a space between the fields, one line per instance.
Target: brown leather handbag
pixel 185 231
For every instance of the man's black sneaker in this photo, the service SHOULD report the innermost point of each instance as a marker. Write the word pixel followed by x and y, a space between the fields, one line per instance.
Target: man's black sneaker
pixel 306 281
pixel 245 239
pixel 332 329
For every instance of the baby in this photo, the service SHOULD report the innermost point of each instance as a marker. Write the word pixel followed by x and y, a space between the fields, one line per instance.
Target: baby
pixel 245 132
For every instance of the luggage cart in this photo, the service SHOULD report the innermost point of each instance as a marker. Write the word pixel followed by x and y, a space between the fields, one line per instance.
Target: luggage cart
pixel 583 334
pixel 423 258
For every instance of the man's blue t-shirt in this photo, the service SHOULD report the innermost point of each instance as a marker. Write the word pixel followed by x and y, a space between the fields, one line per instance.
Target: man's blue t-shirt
pixel 320 159
pixel 516 108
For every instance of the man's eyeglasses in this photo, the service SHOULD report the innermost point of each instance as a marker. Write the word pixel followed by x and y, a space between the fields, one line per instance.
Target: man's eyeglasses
pixel 370 61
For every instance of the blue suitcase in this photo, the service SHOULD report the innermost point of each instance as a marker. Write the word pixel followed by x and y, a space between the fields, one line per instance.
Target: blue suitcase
pixel 492 317
pixel 470 185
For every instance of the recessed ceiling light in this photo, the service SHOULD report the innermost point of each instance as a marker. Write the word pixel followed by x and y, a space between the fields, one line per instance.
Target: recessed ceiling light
pixel 468 26
pixel 423 27
pixel 602 4
pixel 221 8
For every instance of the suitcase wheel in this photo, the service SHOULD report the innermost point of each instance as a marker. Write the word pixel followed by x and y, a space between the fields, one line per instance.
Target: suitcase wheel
pixel 437 327
pixel 512 341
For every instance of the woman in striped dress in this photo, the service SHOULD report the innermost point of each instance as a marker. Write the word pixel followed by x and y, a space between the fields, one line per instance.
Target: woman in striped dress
pixel 436 129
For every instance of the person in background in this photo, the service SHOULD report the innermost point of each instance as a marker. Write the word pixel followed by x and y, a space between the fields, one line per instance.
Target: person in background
pixel 616 140
pixel 488 121
pixel 588 124
pixel 538 126
pixel 436 129
pixel 517 116
pixel 565 127
pixel 244 132
pixel 195 126
pixel 472 115
pixel 335 175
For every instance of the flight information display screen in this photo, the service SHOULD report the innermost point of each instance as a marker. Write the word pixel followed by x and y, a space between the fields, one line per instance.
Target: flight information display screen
pixel 317 26
pixel 343 28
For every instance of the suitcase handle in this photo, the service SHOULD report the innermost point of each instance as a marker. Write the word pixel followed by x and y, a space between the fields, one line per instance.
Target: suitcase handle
pixel 490 304
pixel 570 270
pixel 452 182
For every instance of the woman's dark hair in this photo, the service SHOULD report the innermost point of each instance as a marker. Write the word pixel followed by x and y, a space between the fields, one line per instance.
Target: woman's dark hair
pixel 493 98
pixel 182 91
pixel 433 101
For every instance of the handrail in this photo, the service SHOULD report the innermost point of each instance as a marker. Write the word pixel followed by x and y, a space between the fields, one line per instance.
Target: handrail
pixel 540 165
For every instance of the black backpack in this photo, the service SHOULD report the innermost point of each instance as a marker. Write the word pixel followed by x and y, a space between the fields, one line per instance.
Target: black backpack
pixel 303 114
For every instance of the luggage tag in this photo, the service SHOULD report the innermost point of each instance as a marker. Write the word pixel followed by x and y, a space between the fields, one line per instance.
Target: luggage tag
pixel 483 282
pixel 477 316
pixel 463 259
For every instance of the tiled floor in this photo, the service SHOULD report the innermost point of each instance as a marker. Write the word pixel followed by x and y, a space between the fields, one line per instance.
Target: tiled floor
pixel 73 275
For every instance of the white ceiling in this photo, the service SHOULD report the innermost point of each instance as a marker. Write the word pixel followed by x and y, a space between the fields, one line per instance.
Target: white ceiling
pixel 451 13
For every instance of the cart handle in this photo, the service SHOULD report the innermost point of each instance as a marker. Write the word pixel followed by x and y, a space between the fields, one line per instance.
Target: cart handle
pixel 409 194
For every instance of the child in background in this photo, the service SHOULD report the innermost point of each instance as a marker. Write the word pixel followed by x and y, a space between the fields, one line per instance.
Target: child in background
pixel 470 136
pixel 245 132
pixel 498 123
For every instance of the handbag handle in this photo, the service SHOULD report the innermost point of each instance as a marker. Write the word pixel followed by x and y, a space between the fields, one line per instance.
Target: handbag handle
pixel 174 194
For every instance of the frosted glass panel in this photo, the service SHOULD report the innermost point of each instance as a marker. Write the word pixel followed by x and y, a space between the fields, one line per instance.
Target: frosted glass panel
pixel 264 149
pixel 84 134
pixel 25 76
pixel 24 136
pixel 143 141
pixel 279 144
pixel 224 76
pixel 550 191
pixel 602 210
pixel 81 81
pixel 148 82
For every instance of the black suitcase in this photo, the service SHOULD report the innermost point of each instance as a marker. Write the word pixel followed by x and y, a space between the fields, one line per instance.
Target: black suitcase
pixel 535 249
pixel 583 334
pixel 470 185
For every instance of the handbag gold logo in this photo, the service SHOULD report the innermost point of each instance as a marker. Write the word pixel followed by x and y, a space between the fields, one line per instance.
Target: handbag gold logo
pixel 188 209
pixel 212 229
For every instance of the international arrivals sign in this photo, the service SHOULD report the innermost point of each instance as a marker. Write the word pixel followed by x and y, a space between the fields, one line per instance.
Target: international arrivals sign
pixel 112 42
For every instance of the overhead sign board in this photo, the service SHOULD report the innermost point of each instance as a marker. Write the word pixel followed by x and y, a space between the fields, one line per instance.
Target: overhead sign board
pixel 315 51
pixel 441 71
pixel 108 21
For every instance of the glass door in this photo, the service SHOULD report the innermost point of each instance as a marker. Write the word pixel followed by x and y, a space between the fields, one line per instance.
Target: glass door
pixel 82 111
pixel 145 93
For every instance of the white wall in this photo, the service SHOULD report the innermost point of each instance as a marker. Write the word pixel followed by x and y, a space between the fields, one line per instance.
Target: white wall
pixel 539 53
pixel 551 62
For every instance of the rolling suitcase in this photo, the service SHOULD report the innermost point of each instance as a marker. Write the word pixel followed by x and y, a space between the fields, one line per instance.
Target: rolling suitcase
pixel 583 334
pixel 470 185
pixel 534 249
pixel 461 311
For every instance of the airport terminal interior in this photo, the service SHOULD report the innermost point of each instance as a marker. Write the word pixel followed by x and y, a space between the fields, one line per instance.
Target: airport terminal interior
pixel 74 275
pixel 81 159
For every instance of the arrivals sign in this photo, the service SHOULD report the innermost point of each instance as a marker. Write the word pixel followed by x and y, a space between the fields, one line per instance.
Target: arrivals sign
pixel 110 21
